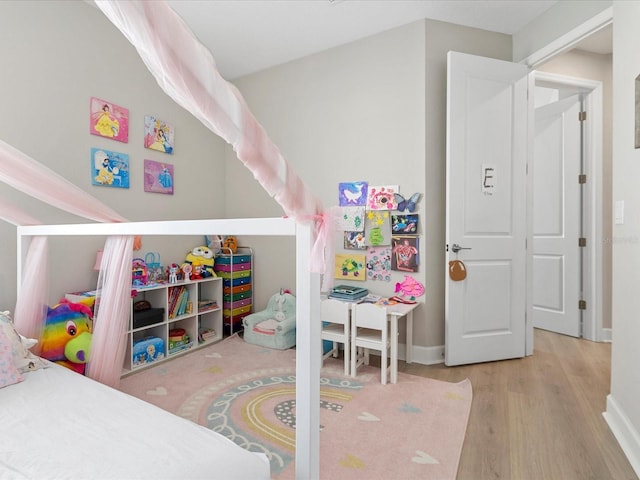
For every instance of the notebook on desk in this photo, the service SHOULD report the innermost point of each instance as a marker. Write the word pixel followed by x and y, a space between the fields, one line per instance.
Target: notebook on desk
pixel 345 292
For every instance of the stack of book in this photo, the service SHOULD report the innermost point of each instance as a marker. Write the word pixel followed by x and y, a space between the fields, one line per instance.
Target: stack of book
pixel 207 334
pixel 206 304
pixel 347 293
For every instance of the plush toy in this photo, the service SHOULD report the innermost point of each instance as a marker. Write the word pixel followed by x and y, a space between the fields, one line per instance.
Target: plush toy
pixel 204 257
pixel 67 335
pixel 230 243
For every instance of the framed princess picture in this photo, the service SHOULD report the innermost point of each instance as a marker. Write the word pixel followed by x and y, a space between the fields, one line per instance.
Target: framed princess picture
pixel 158 134
pixel 158 177
pixel 108 120
pixel 109 169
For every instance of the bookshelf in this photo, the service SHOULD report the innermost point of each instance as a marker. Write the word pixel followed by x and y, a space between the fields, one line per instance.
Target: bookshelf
pixel 183 316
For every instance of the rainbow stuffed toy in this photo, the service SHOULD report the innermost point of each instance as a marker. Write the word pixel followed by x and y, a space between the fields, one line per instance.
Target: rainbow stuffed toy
pixel 67 335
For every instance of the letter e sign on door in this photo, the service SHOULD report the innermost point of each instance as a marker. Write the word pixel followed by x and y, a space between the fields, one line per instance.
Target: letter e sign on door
pixel 489 179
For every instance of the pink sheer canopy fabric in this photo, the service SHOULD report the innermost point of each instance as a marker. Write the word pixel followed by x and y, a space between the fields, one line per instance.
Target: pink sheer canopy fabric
pixel 31 177
pixel 108 346
pixel 186 71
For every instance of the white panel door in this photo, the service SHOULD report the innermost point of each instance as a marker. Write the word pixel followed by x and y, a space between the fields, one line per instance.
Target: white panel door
pixel 487 132
pixel 557 217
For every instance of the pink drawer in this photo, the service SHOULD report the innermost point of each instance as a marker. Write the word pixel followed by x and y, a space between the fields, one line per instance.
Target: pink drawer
pixel 236 267
pixel 238 304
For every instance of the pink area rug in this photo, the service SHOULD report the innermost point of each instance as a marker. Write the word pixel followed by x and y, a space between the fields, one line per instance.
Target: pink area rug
pixel 411 430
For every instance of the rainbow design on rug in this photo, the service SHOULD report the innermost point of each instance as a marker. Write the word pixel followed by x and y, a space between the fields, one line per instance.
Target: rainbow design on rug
pixel 260 415
pixel 412 429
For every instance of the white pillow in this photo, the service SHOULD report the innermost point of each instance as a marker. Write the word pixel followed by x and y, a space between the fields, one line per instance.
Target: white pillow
pixel 9 374
pixel 23 359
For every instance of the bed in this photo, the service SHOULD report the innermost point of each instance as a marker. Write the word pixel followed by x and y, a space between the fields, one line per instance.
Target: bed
pixel 187 73
pixel 58 424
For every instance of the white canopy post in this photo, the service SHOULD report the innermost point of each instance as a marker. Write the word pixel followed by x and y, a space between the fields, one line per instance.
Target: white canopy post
pixel 308 359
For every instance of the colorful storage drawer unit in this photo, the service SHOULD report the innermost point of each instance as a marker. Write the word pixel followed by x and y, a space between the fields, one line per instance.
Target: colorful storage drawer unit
pixel 238 304
pixel 234 297
pixel 234 274
pixel 231 259
pixel 228 289
pixel 235 282
pixel 235 271
pixel 233 267
pixel 237 311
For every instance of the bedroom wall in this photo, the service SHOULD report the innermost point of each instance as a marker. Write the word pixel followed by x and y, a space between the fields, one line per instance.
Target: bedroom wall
pixel 623 409
pixel 55 56
pixel 371 110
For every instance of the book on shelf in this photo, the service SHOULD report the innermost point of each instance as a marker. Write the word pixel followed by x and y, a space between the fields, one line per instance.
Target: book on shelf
pixel 206 304
pixel 178 297
pixel 207 334
pixel 180 347
pixel 183 301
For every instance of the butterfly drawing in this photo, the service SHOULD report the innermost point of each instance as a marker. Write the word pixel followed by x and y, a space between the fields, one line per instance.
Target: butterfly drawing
pixel 404 204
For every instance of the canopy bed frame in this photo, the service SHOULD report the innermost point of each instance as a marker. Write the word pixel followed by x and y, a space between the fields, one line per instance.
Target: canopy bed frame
pixel 308 352
pixel 186 71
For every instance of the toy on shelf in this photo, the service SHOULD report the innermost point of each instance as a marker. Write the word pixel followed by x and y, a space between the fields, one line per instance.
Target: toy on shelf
pixel 155 271
pixel 197 271
pixel 204 257
pixel 186 271
pixel 139 272
pixel 173 273
pixel 230 243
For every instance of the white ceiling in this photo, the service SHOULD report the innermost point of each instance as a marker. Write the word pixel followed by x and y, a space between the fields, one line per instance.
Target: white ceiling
pixel 247 36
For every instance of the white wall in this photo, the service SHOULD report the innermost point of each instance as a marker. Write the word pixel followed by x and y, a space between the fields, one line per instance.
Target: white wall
pixel 55 56
pixel 623 408
pixel 351 113
pixel 371 110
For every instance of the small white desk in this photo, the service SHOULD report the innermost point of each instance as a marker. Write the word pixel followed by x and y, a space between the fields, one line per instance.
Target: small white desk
pixel 396 312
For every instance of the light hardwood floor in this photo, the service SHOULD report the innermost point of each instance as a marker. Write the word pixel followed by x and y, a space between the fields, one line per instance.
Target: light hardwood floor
pixel 539 417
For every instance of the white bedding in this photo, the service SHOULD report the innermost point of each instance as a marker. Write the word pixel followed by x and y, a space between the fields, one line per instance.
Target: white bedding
pixel 57 424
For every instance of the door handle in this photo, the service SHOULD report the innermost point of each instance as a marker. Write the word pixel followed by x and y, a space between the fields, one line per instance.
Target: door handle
pixel 455 248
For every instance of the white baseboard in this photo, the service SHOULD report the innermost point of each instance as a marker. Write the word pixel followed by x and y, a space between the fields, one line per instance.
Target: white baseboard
pixel 606 335
pixel 423 355
pixel 624 431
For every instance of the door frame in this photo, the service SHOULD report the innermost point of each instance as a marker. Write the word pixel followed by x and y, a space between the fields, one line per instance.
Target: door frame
pixel 591 91
pixel 592 326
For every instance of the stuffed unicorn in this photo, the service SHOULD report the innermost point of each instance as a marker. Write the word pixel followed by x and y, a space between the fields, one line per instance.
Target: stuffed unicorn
pixel 67 335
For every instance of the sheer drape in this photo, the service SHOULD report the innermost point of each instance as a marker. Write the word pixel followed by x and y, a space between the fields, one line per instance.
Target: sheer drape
pixel 187 72
pixel 112 311
pixel 31 177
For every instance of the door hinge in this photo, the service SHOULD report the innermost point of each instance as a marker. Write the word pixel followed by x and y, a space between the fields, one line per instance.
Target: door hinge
pixel 582 242
pixel 582 178
pixel 582 116
pixel 582 304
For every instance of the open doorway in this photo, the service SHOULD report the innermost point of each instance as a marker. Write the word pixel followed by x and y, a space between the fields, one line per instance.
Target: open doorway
pixel 584 70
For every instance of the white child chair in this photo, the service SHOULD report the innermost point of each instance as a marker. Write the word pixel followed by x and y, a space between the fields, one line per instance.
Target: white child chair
pixel 336 328
pixel 369 331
